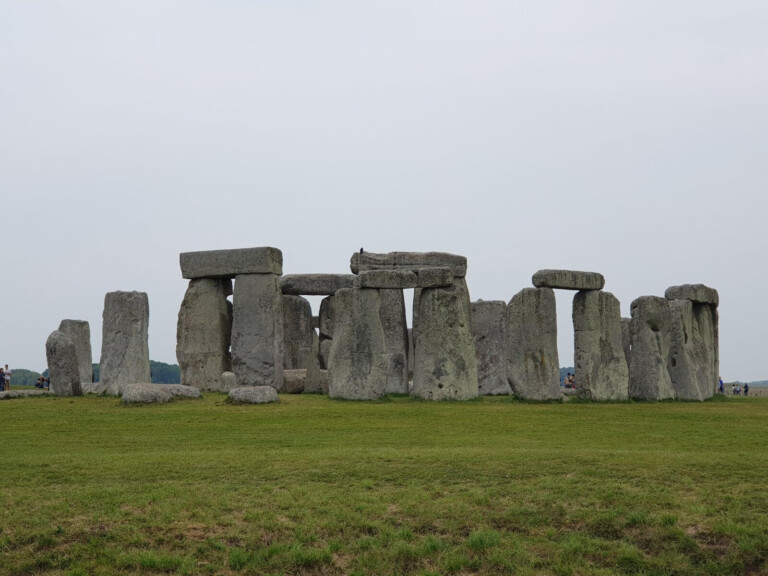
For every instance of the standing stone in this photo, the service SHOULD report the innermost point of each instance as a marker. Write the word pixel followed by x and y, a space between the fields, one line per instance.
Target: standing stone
pixel 410 353
pixel 203 334
pixel 79 331
pixel 326 320
pixel 490 347
pixel 297 332
pixel 392 314
pixel 692 362
pixel 533 367
pixel 650 331
pixel 600 365
pixel 125 341
pixel 357 366
pixel 445 367
pixel 317 379
pixel 626 338
pixel 257 331
pixel 62 365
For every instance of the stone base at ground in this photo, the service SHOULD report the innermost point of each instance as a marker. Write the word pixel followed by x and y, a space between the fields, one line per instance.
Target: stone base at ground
pixel 294 381
pixel 10 394
pixel 153 393
pixel 253 395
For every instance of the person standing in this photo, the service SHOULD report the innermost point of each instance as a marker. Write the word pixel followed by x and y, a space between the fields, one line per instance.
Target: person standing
pixel 7 374
pixel 746 389
pixel 721 388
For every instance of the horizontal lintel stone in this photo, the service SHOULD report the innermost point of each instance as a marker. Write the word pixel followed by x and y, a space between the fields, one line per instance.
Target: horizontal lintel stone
pixel 568 280
pixel 364 261
pixel 403 279
pixel 315 284
pixel 698 293
pixel 230 263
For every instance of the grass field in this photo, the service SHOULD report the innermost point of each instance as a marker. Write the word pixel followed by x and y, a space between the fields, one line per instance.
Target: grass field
pixel 314 486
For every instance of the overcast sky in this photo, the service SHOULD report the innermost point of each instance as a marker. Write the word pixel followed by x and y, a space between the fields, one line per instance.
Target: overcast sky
pixel 627 138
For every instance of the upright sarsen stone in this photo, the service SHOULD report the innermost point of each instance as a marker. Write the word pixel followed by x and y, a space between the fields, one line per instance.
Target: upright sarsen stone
pixel 203 334
pixel 297 332
pixel 490 347
pixel 533 367
pixel 257 331
pixel 600 365
pixel 650 331
pixel 125 341
pixel 79 331
pixel 693 358
pixel 626 338
pixel 62 365
pixel 392 314
pixel 358 360
pixel 445 367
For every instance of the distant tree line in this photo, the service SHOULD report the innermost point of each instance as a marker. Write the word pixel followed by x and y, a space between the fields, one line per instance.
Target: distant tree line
pixel 162 373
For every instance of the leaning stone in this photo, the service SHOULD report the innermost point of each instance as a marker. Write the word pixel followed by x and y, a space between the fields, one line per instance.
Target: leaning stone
pixel 62 365
pixel 408 261
pixel 231 263
pixel 253 395
pixel 568 280
pixel 692 363
pixel 315 284
pixel 357 366
pixel 404 279
pixel 125 340
pixel 392 314
pixel 79 331
pixel 297 331
pixel 490 347
pixel 156 393
pixel 294 380
pixel 203 333
pixel 697 293
pixel 257 331
pixel 445 365
pixel 11 394
pixel 600 365
pixel 533 368
pixel 650 331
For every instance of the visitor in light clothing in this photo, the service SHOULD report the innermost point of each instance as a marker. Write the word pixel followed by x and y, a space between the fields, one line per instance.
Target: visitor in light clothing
pixel 7 375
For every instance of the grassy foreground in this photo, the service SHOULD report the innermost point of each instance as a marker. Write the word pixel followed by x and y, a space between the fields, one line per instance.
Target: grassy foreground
pixel 314 486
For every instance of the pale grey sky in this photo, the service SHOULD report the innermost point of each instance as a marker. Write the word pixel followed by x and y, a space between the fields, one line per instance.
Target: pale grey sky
pixel 627 138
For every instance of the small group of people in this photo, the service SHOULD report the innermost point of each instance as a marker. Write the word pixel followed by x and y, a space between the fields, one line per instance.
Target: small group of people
pixel 736 388
pixel 569 381
pixel 43 383
pixel 5 378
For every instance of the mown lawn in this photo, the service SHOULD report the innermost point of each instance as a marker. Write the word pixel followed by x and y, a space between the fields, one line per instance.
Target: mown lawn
pixel 314 486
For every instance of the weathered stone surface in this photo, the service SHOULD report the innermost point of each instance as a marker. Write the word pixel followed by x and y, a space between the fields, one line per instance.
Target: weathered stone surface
pixel 297 332
pixel 408 261
pixel 327 313
pixel 125 341
pixel 228 381
pixel 253 395
pixel 79 331
pixel 650 331
pixel 324 351
pixel 490 347
pixel 317 379
pixel 62 365
pixel 692 362
pixel 404 279
pixel 445 365
pixel 357 366
pixel 410 353
pixel 600 365
pixel 315 284
pixel 11 394
pixel 203 334
pixel 257 331
pixel 294 380
pixel 568 280
pixel 533 368
pixel 697 293
pixel 231 263
pixel 392 314
pixel 145 393
pixel 626 338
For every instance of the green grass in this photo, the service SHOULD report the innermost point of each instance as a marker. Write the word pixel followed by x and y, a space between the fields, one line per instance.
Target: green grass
pixel 313 486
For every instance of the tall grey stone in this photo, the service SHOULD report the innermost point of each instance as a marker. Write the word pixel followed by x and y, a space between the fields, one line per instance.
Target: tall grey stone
pixel 326 321
pixel 533 367
pixel 445 367
pixel 568 280
pixel 79 331
pixel 125 341
pixel 297 332
pixel 626 338
pixel 651 334
pixel 392 314
pixel 203 334
pixel 692 363
pixel 358 362
pixel 600 365
pixel 490 347
pixel 63 367
pixel 317 378
pixel 257 331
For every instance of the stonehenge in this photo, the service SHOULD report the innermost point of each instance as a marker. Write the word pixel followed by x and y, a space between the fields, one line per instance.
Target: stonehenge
pixel 79 331
pixel 488 330
pixel 125 341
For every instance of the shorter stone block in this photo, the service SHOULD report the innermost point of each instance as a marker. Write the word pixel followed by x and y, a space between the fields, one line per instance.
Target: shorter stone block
pixel 153 393
pixel 228 381
pixel 315 284
pixel 62 365
pixel 230 263
pixel 294 381
pixel 696 293
pixel 408 261
pixel 568 280
pixel 253 395
pixel 405 279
